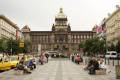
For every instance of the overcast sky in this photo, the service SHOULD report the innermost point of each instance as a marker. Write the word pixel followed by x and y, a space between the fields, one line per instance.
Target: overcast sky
pixel 40 14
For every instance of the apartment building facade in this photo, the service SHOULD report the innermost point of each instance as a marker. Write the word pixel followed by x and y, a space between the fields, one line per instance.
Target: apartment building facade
pixel 8 29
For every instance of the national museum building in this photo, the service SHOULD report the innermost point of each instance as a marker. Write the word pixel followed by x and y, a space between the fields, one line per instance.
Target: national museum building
pixel 60 38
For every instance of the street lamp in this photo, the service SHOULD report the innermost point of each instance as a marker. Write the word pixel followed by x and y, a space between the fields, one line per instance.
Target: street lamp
pixel 11 46
pixel 11 49
pixel 105 48
pixel 105 45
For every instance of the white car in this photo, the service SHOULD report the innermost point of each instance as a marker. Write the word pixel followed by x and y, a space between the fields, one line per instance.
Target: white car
pixel 111 54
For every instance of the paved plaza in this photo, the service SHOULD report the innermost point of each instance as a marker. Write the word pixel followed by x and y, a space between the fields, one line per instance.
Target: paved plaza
pixel 58 70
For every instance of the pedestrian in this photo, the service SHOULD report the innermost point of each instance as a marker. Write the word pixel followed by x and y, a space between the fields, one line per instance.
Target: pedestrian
pixel 77 59
pixel 102 64
pixel 72 57
pixel 47 56
pixel 0 59
pixel 94 66
pixel 41 59
pixel 34 63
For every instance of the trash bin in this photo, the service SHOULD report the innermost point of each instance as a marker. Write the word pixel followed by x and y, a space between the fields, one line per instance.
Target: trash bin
pixel 117 67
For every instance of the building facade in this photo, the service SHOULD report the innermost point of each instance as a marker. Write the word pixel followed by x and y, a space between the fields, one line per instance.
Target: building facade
pixel 113 27
pixel 7 28
pixel 60 38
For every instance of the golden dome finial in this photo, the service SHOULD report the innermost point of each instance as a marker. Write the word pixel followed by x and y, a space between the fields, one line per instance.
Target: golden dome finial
pixel 61 10
pixel 61 14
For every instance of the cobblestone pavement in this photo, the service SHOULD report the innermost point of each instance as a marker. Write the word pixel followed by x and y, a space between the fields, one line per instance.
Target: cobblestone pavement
pixel 58 70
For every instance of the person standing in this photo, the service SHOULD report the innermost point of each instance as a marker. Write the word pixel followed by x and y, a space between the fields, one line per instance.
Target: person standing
pixel 94 66
pixel 34 62
pixel 47 56
pixel 41 59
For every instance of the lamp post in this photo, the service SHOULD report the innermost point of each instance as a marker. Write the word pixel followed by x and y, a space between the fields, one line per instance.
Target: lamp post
pixel 11 46
pixel 105 45
pixel 11 49
pixel 105 48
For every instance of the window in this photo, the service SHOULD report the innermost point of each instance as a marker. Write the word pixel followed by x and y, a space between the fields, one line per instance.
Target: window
pixel 113 53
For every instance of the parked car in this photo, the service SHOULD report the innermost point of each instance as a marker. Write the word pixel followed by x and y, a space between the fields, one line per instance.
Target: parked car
pixel 14 61
pixel 111 54
pixel 4 64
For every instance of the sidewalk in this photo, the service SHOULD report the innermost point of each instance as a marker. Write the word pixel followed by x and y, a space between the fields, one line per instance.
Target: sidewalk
pixel 110 73
pixel 59 70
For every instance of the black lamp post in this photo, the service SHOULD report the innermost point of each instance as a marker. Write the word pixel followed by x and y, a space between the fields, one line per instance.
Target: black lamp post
pixel 11 46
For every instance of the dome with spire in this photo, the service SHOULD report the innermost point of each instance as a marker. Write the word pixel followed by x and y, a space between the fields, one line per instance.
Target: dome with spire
pixel 61 14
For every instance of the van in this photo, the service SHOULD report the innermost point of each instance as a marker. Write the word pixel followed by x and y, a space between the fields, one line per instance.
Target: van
pixel 111 54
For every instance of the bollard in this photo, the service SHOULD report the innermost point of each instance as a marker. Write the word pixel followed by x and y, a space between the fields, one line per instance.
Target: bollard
pixel 105 61
pixel 118 62
pixel 108 61
pixel 113 62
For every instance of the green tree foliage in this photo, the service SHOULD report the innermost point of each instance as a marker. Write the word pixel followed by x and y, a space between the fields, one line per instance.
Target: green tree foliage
pixel 27 46
pixel 112 47
pixel 12 46
pixel 3 44
pixel 118 47
pixel 81 45
pixel 93 46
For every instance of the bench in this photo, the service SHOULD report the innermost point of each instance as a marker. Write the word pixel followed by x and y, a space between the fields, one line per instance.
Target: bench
pixel 100 72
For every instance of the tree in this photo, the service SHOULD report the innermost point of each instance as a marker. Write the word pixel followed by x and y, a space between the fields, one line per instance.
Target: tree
pixel 12 46
pixel 102 46
pixel 87 46
pixel 118 47
pixel 81 45
pixel 27 46
pixel 112 47
pixel 94 46
pixel 3 44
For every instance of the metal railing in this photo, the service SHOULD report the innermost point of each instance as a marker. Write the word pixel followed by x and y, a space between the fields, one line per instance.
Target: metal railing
pixel 112 62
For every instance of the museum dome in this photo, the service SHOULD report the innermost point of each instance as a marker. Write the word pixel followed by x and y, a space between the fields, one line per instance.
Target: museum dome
pixel 60 15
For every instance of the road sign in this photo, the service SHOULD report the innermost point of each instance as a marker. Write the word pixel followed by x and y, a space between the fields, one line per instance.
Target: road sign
pixel 21 44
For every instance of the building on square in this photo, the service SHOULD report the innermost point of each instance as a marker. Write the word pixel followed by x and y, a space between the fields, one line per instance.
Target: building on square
pixel 60 38
pixel 8 29
pixel 113 27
